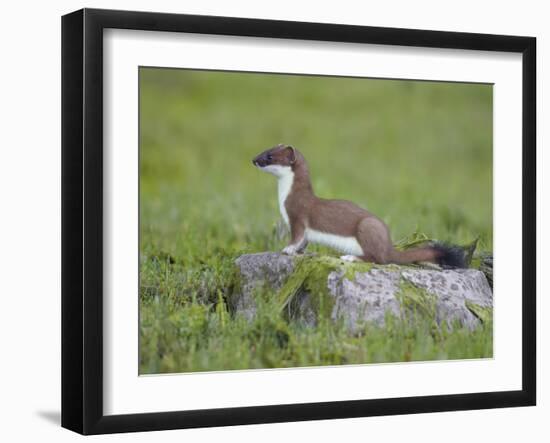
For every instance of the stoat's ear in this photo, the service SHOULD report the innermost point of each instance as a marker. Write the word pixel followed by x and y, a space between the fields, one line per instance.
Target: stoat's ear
pixel 291 154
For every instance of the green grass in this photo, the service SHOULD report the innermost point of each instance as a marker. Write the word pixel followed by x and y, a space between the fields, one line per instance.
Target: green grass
pixel 417 154
pixel 193 336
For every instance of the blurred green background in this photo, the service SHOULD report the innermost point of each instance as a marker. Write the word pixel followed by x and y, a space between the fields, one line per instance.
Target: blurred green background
pixel 417 154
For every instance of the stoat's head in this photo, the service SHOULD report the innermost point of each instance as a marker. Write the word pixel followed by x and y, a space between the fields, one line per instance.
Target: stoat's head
pixel 278 160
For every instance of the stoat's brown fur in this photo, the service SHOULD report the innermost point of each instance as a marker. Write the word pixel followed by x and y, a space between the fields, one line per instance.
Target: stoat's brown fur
pixel 337 223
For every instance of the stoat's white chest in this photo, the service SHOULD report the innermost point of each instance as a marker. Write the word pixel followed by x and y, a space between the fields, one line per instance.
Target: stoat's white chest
pixel 285 185
pixel 285 177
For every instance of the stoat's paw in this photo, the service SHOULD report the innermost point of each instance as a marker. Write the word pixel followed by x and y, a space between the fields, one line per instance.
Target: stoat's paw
pixel 290 250
pixel 350 258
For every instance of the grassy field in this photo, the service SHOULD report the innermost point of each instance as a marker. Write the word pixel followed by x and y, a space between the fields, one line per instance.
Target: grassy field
pixel 417 154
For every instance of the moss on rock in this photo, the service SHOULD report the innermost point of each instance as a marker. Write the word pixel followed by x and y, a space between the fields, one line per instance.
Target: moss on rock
pixel 417 300
pixel 313 289
pixel 484 313
pixel 311 275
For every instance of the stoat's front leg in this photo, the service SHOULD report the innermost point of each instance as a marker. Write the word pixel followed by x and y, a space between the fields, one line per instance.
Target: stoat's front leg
pixel 290 250
pixel 298 242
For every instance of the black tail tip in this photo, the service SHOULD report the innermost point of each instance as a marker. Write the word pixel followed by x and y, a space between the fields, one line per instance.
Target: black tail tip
pixel 450 256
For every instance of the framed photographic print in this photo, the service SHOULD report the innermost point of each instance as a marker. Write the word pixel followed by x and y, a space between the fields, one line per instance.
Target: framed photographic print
pixel 269 221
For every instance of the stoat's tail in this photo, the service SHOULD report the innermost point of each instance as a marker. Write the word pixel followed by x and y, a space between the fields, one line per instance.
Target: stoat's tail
pixel 442 254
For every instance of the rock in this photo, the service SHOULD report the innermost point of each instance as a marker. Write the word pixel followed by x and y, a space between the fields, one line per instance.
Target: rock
pixel 486 266
pixel 358 293
pixel 269 268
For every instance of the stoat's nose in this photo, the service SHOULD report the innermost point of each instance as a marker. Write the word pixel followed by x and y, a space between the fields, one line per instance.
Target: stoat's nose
pixel 258 161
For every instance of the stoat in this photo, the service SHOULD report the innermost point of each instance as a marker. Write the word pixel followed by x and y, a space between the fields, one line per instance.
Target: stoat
pixel 339 224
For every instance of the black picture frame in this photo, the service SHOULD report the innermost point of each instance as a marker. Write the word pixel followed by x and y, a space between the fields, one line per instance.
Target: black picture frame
pixel 82 220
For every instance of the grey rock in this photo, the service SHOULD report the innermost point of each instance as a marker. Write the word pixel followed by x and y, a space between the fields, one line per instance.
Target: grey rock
pixel 367 298
pixel 453 288
pixel 370 294
pixel 267 269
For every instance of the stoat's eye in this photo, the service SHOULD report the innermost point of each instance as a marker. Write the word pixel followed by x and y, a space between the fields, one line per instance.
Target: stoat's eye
pixel 270 157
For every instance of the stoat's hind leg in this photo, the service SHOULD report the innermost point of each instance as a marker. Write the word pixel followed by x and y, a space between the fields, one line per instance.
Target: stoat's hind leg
pixel 350 258
pixel 374 237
